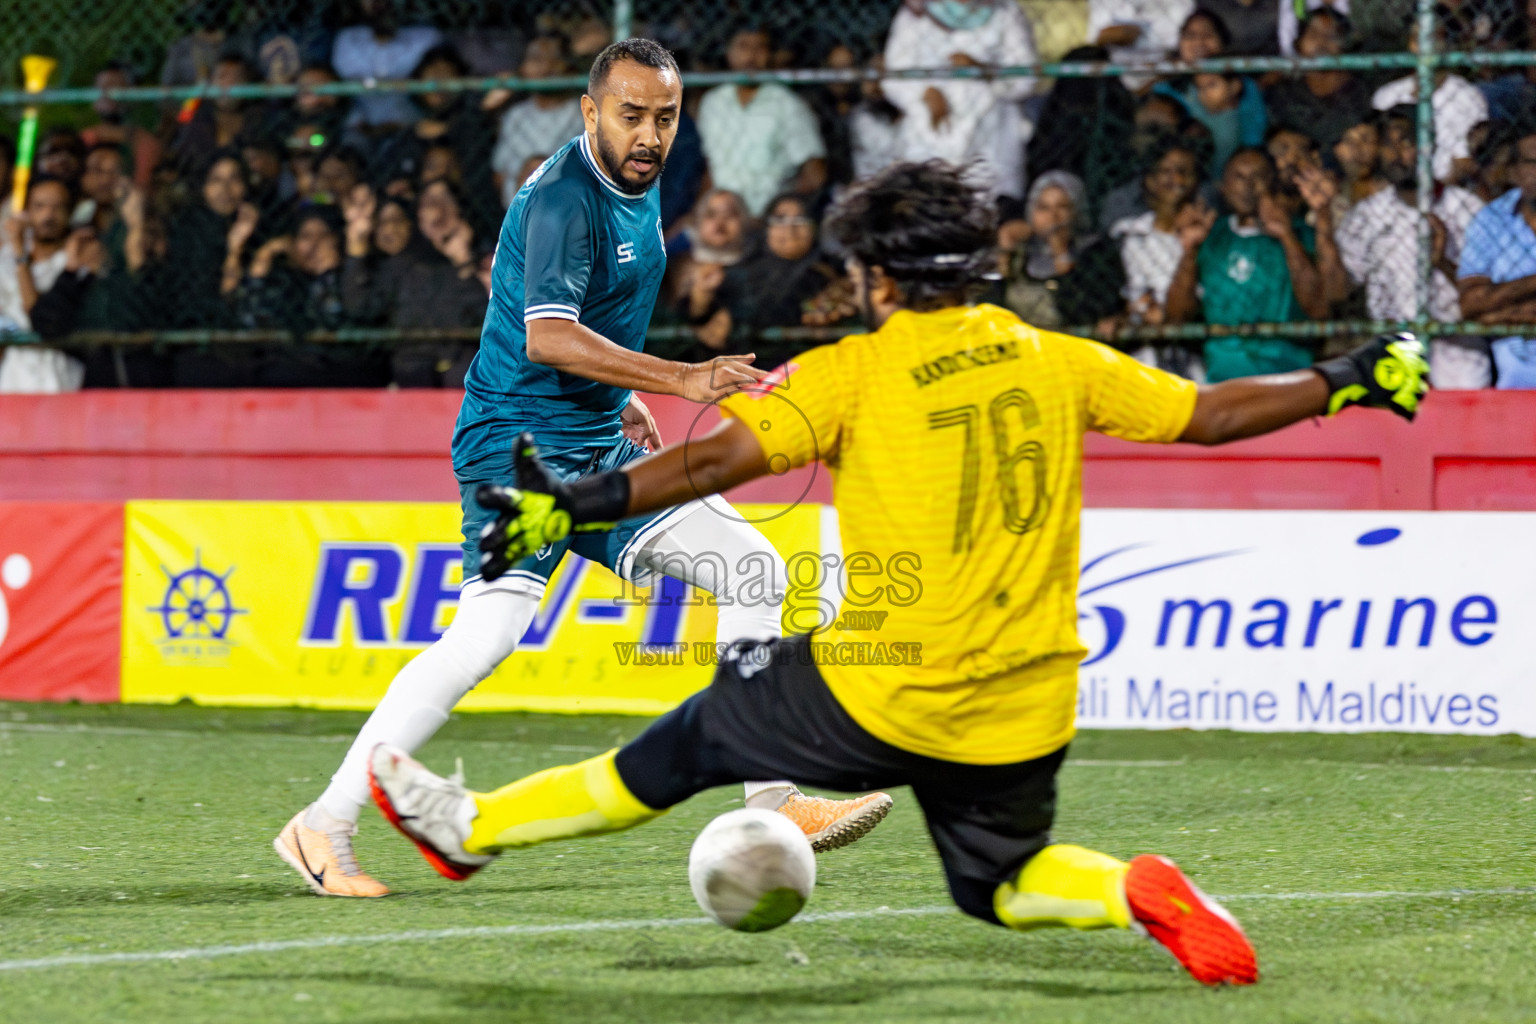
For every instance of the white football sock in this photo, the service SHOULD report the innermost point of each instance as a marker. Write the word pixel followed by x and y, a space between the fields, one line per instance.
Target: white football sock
pixel 749 594
pixel 487 627
pixel 769 796
pixel 321 820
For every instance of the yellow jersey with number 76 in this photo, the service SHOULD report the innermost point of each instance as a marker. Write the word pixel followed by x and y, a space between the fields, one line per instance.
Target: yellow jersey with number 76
pixel 955 443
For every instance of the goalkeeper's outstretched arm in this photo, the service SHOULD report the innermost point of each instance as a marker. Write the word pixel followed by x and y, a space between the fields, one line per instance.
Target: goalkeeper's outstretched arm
pixel 543 508
pixel 723 458
pixel 1387 373
pixel 1250 406
pixel 727 456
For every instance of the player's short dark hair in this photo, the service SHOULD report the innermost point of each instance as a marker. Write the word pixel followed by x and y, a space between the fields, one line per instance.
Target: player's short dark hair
pixel 645 52
pixel 926 226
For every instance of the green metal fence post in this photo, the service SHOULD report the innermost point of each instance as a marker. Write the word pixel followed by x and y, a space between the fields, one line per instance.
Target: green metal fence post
pixel 1425 172
pixel 623 19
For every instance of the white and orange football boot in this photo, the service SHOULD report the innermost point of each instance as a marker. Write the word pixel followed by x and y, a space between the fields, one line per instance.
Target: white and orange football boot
pixel 433 812
pixel 323 857
pixel 1197 930
pixel 830 824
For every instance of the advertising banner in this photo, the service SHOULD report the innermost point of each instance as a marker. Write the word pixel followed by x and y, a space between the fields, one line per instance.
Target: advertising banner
pixel 61 572
pixel 1308 621
pixel 320 604
pixel 1275 621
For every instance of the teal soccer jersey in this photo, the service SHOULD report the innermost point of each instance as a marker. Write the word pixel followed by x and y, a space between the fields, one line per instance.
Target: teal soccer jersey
pixel 573 246
pixel 1244 280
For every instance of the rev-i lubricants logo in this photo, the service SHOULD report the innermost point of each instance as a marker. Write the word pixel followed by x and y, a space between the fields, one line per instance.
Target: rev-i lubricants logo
pixel 196 613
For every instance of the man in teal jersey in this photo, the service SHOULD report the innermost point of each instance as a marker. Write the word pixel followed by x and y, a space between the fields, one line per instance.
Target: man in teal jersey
pixel 1254 266
pixel 578 265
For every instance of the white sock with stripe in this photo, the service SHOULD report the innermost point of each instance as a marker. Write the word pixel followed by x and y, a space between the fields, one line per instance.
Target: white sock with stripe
pixel 485 630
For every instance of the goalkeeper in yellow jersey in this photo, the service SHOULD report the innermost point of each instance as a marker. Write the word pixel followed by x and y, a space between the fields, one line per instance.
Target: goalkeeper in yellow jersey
pixel 954 436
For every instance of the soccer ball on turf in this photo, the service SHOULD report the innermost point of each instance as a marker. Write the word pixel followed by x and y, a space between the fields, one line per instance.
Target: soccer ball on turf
pixel 751 870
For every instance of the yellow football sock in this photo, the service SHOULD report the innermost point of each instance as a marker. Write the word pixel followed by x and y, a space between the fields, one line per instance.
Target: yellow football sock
pixel 1065 885
pixel 558 803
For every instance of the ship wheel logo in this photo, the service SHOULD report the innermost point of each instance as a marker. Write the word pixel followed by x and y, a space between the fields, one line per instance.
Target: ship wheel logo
pixel 197 604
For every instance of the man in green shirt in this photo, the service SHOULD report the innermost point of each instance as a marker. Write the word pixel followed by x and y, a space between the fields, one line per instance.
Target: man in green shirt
pixel 1254 266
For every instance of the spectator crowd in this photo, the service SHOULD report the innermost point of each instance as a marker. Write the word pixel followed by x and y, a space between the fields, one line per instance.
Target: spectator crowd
pixel 1123 201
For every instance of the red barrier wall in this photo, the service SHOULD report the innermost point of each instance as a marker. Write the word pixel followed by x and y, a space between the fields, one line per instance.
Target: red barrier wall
pixel 61 598
pixel 1468 450
pixel 1465 451
pixel 268 445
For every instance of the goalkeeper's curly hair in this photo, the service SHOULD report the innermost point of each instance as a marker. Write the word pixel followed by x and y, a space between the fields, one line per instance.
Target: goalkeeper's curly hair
pixel 926 226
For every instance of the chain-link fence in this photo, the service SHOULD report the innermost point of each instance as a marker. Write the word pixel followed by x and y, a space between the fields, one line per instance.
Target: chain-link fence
pixel 306 192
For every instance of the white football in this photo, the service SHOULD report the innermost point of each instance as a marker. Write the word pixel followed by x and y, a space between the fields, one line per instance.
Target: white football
pixel 751 870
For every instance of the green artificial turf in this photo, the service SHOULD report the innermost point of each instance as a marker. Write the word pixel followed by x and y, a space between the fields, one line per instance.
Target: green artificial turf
pixel 1382 878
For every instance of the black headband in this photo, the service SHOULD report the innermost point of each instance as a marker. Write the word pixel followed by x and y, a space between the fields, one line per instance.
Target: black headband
pixel 981 263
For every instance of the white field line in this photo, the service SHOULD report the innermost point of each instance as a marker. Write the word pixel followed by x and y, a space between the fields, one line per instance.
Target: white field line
pixel 434 935
pixel 578 927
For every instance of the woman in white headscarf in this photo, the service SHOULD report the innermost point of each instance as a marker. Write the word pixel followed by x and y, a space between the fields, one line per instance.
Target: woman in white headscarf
pixel 963 119
pixel 1062 273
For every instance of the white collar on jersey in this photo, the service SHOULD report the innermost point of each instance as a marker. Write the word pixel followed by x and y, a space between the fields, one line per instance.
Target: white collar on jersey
pixel 602 175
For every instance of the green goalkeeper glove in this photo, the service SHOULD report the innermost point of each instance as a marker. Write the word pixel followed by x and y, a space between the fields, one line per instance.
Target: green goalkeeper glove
pixel 543 509
pixel 1389 372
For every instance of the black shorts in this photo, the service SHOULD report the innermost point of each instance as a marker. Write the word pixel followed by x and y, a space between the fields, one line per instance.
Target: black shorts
pixel 769 715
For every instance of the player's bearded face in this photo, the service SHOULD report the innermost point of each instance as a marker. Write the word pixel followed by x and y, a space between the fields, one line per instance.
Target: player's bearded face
pixel 634 171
